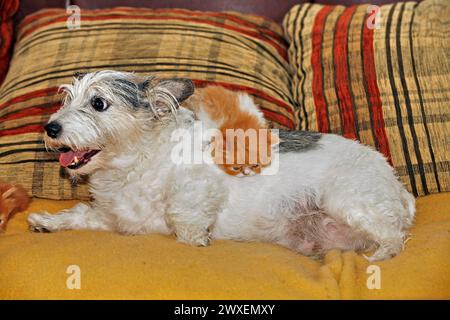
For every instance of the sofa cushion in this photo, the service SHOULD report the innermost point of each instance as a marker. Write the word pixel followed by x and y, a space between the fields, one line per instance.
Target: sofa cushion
pixel 240 52
pixel 114 266
pixel 385 83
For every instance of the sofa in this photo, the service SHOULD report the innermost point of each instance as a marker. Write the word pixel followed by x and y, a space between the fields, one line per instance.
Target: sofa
pixel 386 87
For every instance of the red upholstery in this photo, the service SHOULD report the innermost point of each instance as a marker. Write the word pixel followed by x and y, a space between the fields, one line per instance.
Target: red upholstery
pixel 7 9
pixel 268 8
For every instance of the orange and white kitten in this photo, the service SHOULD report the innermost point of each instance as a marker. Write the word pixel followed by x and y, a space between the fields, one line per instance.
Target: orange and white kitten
pixel 226 110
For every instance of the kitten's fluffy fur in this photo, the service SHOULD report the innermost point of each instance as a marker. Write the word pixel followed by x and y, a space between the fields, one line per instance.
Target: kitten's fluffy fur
pixel 226 110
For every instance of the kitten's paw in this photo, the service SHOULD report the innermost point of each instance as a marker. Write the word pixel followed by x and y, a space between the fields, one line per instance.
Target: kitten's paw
pixel 41 222
pixel 199 237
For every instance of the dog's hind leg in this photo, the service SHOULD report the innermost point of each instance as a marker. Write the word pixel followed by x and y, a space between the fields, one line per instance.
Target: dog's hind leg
pixel 81 216
pixel 314 233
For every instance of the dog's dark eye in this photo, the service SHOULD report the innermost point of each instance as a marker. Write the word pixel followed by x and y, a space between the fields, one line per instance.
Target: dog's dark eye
pixel 99 104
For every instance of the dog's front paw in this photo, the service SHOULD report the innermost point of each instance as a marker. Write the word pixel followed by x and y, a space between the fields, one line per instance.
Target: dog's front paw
pixel 41 222
pixel 199 237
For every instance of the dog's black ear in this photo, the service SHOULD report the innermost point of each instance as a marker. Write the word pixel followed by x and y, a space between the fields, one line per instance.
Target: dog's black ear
pixel 79 75
pixel 143 86
pixel 179 88
pixel 166 95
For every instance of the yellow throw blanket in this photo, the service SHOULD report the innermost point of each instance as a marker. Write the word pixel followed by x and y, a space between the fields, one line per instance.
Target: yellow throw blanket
pixel 113 266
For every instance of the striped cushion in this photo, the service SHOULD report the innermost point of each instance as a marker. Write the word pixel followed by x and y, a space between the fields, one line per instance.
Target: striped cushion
pixel 237 51
pixel 387 86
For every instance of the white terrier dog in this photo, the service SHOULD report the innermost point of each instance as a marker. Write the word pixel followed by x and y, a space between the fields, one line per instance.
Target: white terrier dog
pixel 329 192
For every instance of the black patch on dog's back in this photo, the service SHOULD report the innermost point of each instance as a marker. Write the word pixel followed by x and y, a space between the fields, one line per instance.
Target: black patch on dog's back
pixel 298 141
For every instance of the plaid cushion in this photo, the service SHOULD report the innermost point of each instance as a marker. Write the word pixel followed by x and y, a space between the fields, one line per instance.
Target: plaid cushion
pixel 387 85
pixel 240 52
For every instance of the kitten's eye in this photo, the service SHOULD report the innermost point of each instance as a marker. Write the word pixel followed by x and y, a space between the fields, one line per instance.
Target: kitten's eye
pixel 236 168
pixel 255 166
pixel 99 104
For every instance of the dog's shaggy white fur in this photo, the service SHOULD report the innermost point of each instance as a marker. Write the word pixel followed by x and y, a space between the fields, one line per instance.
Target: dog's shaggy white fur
pixel 336 194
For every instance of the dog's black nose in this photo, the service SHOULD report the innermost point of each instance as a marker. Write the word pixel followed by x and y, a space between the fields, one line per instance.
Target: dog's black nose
pixel 53 129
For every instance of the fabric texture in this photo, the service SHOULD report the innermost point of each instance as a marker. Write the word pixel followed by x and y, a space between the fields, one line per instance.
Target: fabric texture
pixel 114 266
pixel 7 9
pixel 380 75
pixel 240 52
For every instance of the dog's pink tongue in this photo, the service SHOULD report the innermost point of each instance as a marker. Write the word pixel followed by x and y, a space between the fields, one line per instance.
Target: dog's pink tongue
pixel 66 158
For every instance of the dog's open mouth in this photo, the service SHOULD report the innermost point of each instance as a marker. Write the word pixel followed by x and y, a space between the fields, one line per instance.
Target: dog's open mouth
pixel 75 159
